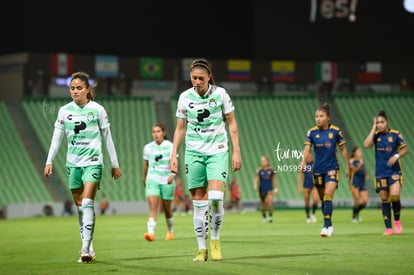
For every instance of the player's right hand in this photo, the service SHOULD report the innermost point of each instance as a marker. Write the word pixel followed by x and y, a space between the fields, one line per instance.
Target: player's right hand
pixel 47 172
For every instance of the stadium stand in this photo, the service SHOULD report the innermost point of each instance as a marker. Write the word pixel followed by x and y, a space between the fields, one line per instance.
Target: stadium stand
pixel 21 182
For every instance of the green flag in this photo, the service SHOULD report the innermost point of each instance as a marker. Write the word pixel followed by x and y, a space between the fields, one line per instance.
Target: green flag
pixel 151 67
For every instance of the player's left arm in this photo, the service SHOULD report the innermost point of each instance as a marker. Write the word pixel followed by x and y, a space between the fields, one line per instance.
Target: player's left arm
pixel 345 156
pixel 402 152
pixel 116 171
pixel 234 135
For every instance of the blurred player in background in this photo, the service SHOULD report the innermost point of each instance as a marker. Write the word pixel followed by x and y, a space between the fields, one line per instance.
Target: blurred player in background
pixel 357 180
pixel 307 187
pixel 158 181
pixel 265 183
pixel 235 196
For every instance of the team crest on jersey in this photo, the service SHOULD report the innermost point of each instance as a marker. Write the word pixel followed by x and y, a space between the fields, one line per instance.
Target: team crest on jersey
pixel 330 135
pixel 90 116
pixel 390 139
pixel 212 103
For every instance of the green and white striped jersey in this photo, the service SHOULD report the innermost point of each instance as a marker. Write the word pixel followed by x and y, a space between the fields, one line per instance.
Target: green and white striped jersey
pixel 158 156
pixel 82 126
pixel 206 130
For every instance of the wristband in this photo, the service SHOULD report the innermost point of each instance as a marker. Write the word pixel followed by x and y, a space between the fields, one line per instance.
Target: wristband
pixel 397 156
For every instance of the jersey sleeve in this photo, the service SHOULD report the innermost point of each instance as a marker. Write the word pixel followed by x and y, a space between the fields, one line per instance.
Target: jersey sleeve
pixel 103 118
pixel 308 138
pixel 228 106
pixel 145 152
pixel 400 141
pixel 340 138
pixel 59 120
pixel 181 111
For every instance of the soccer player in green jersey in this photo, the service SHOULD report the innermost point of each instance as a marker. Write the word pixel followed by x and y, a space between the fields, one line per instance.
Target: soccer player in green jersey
pixel 158 181
pixel 202 113
pixel 85 123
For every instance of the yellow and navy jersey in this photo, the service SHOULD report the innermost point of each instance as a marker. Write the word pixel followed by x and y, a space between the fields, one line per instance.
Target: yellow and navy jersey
pixel 265 175
pixel 324 144
pixel 358 177
pixel 387 145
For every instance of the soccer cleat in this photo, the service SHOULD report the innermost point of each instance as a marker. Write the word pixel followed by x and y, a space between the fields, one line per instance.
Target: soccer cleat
pixel 308 220
pixel 270 220
pixel 215 250
pixel 93 254
pixel 201 256
pixel 354 220
pixel 388 232
pixel 313 218
pixel 86 256
pixel 359 219
pixel 327 231
pixel 398 228
pixel 169 236
pixel 149 237
pixel 331 230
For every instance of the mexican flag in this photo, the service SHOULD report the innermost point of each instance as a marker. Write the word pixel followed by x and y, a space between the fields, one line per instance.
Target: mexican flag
pixel 326 71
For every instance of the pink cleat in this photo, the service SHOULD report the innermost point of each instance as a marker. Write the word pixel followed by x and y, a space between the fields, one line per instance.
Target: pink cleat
pixel 397 226
pixel 388 232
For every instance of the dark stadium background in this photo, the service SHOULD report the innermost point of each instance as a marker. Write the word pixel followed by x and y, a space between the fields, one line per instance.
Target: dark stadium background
pixel 213 29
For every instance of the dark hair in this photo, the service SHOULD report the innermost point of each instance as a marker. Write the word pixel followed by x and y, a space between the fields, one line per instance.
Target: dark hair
pixel 353 151
pixel 382 114
pixel 204 64
pixel 325 108
pixel 84 77
pixel 161 125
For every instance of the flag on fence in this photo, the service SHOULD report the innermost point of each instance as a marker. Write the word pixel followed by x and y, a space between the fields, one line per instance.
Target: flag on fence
pixel 283 71
pixel 61 64
pixel 151 67
pixel 239 69
pixel 369 72
pixel 106 66
pixel 326 71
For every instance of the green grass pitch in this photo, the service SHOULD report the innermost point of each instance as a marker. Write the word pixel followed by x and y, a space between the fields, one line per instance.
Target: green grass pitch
pixel 50 245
